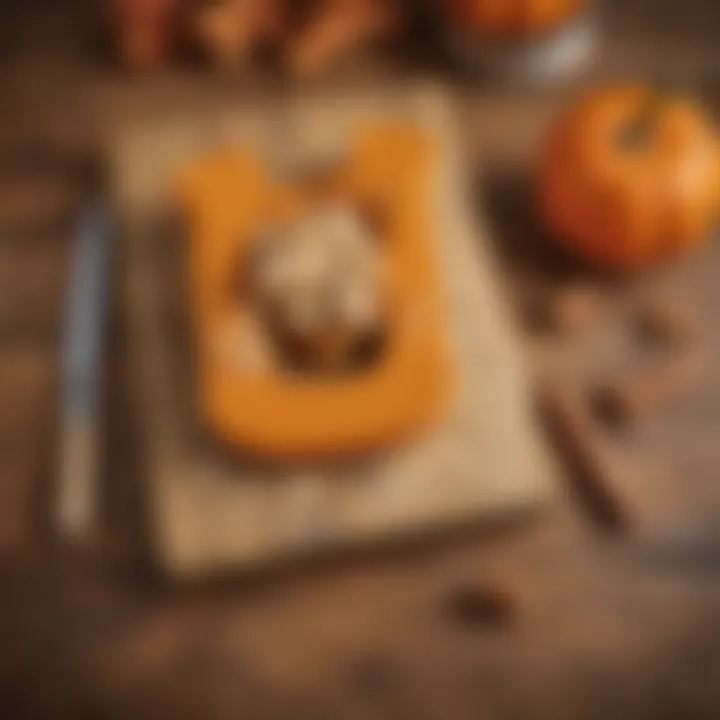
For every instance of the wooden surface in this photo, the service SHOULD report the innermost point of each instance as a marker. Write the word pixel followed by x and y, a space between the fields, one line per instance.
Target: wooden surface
pixel 484 460
pixel 606 627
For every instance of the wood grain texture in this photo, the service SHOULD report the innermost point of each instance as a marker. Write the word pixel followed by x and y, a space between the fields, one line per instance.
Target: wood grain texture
pixel 604 629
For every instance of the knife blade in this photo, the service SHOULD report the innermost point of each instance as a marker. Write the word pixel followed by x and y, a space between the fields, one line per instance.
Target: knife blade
pixel 81 371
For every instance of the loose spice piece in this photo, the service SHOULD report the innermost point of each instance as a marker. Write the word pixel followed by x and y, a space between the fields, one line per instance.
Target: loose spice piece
pixel 627 399
pixel 490 601
pixel 666 322
pixel 573 309
pixel 597 470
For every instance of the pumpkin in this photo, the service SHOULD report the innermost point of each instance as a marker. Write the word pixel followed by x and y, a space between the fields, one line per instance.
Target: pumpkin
pixel 631 176
pixel 513 18
pixel 245 396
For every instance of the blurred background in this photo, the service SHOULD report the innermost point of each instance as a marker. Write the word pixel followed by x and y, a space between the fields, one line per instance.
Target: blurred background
pixel 606 606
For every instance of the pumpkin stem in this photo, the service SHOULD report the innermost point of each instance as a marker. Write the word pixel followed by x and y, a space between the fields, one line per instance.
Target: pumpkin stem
pixel 638 133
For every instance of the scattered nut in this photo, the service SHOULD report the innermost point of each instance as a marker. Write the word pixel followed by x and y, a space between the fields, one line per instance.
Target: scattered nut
pixel 486 602
pixel 570 310
pixel 667 323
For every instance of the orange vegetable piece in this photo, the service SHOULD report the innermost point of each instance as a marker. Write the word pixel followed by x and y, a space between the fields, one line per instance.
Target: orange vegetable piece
pixel 336 29
pixel 229 31
pixel 266 410
pixel 514 18
pixel 631 176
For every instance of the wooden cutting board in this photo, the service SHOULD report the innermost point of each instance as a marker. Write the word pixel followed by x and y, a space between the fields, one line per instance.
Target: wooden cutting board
pixel 209 510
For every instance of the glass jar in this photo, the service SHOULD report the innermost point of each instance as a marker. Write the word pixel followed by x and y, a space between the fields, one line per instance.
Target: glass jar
pixel 521 39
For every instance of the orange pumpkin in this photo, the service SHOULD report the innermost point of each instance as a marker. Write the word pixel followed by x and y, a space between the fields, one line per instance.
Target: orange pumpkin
pixel 514 18
pixel 257 404
pixel 631 176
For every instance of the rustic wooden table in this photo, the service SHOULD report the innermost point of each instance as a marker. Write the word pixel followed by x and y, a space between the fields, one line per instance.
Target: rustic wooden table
pixel 606 625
